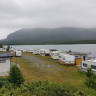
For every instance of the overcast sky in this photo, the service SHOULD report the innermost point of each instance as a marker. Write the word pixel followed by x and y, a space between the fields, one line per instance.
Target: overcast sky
pixel 17 14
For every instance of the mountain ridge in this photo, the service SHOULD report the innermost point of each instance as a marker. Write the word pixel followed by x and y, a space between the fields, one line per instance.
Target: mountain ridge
pixel 61 35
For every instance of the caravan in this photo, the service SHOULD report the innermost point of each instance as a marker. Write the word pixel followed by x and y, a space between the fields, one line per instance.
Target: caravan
pixel 42 52
pixel 55 54
pixel 36 51
pixel 66 59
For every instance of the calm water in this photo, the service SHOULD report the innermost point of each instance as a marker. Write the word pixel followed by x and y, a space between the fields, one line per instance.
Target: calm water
pixel 67 47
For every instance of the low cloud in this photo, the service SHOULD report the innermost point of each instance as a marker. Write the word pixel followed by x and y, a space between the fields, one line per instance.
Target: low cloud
pixel 17 14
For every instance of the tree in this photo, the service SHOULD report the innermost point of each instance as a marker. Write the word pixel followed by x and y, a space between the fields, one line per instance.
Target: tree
pixel 15 76
pixel 1 46
pixel 8 47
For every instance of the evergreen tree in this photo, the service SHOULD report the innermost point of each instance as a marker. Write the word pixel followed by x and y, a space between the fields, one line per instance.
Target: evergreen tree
pixel 8 47
pixel 15 76
pixel 1 46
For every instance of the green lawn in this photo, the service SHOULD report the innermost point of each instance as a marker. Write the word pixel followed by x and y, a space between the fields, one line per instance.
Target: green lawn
pixel 70 74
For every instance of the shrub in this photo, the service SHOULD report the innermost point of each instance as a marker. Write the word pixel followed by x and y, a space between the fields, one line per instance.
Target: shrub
pixel 4 82
pixel 89 73
pixel 15 76
pixel 90 81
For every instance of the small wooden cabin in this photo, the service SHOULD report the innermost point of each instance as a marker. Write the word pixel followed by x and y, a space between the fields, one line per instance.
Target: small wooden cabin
pixel 79 57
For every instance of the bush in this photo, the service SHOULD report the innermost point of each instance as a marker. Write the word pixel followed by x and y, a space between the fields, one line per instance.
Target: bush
pixel 15 76
pixel 89 73
pixel 4 82
pixel 90 81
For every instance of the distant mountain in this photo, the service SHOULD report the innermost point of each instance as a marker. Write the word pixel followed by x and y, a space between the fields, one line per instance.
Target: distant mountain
pixel 51 36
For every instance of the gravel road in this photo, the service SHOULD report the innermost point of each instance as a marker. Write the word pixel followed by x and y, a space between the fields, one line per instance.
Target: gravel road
pixel 41 63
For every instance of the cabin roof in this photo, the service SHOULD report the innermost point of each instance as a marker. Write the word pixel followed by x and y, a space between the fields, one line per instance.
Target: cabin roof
pixel 77 53
pixel 5 55
pixel 92 55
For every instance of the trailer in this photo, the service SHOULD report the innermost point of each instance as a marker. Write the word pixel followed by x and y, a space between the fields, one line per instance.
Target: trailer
pixel 55 54
pixel 66 59
pixel 30 51
pixel 36 51
pixel 42 52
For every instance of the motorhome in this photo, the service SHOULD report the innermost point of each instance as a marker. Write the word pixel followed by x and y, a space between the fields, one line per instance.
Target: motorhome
pixel 18 53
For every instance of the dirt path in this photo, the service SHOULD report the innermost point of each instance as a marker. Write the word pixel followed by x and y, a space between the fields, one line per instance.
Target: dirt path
pixel 41 63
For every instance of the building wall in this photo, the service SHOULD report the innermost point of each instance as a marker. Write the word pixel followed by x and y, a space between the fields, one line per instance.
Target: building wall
pixel 5 67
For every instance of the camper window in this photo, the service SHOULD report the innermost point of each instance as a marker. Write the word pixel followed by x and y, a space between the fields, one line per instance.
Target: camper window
pixel 84 65
pixel 2 61
pixel 93 67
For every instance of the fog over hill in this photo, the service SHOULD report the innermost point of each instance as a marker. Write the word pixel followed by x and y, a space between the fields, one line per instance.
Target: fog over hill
pixel 51 36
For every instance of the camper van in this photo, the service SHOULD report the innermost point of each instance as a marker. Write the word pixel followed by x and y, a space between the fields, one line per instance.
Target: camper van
pixel 66 59
pixel 18 53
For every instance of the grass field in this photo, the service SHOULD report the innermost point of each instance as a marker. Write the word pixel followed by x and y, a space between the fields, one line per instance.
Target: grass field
pixel 52 71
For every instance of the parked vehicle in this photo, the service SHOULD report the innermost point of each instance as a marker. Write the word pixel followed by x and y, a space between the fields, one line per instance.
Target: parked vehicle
pixel 18 53
pixel 55 54
pixel 36 51
pixel 88 64
pixel 66 59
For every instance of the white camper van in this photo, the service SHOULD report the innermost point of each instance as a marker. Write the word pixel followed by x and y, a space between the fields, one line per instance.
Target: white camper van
pixel 18 53
pixel 67 59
